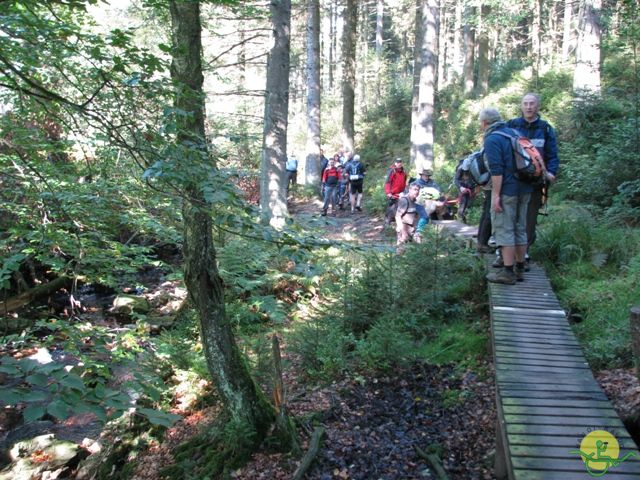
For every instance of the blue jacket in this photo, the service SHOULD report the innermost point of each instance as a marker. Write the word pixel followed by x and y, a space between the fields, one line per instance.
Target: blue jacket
pixel 543 136
pixel 499 154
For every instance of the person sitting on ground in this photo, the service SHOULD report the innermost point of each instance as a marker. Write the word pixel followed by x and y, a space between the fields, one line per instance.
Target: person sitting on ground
pixel 394 185
pixel 509 199
pixel 330 179
pixel 407 216
pixel 356 171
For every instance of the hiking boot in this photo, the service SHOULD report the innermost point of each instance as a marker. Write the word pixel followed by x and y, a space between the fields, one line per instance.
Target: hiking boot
pixel 324 213
pixel 359 209
pixel 520 274
pixel 503 276
pixel 498 263
pixel 484 249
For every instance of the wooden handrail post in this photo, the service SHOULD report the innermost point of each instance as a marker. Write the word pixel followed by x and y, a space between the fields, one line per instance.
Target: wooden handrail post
pixel 634 323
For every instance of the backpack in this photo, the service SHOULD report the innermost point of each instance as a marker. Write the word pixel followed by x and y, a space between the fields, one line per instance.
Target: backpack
pixel 355 170
pixel 528 163
pixel 475 164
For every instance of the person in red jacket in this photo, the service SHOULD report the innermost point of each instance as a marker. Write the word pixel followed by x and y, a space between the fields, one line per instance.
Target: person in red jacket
pixel 394 185
pixel 330 179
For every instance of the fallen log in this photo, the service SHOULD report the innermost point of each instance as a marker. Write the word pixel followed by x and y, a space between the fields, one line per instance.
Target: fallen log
pixel 435 462
pixel 25 298
pixel 307 460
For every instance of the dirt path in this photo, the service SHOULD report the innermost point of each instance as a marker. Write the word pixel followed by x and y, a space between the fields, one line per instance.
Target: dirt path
pixel 359 227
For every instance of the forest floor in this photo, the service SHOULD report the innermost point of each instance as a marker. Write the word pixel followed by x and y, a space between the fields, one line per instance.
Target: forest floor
pixel 377 425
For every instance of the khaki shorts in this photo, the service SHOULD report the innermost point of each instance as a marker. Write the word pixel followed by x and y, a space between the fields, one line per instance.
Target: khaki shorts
pixel 510 226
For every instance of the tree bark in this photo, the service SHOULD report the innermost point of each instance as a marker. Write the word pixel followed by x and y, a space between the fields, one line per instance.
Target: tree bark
pixel 25 298
pixel 332 43
pixel 482 86
pixel 634 324
pixel 428 41
pixel 379 28
pixel 443 46
pixel 349 36
pixel 567 29
pixel 536 36
pixel 586 76
pixel 239 394
pixel 457 60
pixel 273 180
pixel 415 91
pixel 469 38
pixel 312 166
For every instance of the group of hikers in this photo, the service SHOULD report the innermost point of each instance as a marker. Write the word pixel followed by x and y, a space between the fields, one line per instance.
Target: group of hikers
pixel 514 168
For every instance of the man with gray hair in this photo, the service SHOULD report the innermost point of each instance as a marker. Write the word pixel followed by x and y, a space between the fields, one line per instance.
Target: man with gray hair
pixel 509 199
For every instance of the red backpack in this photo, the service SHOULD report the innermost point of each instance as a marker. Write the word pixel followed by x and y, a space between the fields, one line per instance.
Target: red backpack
pixel 527 161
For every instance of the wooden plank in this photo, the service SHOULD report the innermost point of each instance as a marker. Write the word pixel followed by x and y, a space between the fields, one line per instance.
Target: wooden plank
pixel 569 396
pixel 524 474
pixel 539 371
pixel 528 342
pixel 506 361
pixel 566 441
pixel 584 422
pixel 505 355
pixel 548 430
pixel 500 348
pixel 533 324
pixel 506 378
pixel 517 310
pixel 552 402
pixel 568 411
pixel 570 465
pixel 546 451
pixel 534 334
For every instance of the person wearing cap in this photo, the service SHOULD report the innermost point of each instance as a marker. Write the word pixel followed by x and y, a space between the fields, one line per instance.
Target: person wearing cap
pixel 355 170
pixel 394 185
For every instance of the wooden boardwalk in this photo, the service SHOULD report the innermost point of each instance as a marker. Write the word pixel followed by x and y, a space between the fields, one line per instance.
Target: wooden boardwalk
pixel 547 397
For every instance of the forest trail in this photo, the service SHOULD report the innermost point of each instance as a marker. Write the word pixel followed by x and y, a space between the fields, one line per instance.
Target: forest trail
pixel 359 227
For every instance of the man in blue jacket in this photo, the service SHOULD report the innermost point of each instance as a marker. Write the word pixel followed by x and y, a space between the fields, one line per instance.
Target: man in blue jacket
pixel 509 199
pixel 543 136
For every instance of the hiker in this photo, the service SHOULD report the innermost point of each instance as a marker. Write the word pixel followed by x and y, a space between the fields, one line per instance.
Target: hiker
pixel 343 187
pixel 394 185
pixel 324 163
pixel 291 167
pixel 330 179
pixel 543 136
pixel 467 187
pixel 407 216
pixel 431 193
pixel 509 199
pixel 356 171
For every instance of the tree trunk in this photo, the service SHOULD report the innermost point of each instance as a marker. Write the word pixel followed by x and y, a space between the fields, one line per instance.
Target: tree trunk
pixel 482 87
pixel 443 45
pixel 364 55
pixel 415 92
pixel 469 37
pixel 312 167
pixel 273 181
pixel 379 28
pixel 586 77
pixel 536 36
pixel 428 41
pixel 457 60
pixel 379 48
pixel 332 43
pixel 349 73
pixel 567 30
pixel 241 398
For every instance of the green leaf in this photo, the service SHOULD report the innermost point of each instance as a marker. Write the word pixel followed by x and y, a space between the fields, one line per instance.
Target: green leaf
pixel 38 379
pixel 9 370
pixel 158 417
pixel 35 396
pixel 72 380
pixel 59 409
pixel 10 396
pixel 33 413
